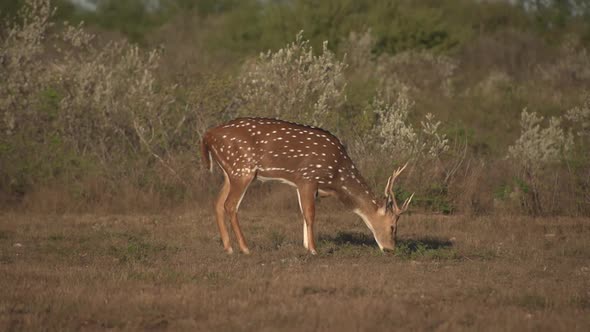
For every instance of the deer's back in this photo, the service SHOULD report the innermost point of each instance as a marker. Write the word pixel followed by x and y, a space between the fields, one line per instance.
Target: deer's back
pixel 277 148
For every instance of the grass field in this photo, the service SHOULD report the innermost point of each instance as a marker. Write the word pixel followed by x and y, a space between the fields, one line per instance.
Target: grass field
pixel 169 272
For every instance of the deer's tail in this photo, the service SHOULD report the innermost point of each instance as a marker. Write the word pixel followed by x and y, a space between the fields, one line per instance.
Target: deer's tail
pixel 206 153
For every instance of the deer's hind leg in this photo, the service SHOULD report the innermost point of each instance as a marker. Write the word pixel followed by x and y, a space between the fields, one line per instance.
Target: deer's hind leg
pixel 220 214
pixel 237 190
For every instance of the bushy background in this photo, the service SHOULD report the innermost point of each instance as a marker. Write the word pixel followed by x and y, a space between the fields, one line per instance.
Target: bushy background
pixel 489 101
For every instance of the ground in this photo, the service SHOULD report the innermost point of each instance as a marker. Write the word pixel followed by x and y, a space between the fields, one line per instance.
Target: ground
pixel 169 272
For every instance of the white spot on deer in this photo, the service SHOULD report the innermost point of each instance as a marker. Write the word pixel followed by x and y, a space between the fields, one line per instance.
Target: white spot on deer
pixel 318 166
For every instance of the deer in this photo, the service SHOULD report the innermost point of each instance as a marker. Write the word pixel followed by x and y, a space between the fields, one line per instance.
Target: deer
pixel 308 158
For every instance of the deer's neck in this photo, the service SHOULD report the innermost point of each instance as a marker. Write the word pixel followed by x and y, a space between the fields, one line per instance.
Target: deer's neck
pixel 358 196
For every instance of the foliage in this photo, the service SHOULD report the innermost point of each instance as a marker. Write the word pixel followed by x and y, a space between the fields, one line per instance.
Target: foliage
pixel 580 116
pixel 87 104
pixel 399 138
pixel 294 84
pixel 535 151
pixel 440 83
pixel 539 146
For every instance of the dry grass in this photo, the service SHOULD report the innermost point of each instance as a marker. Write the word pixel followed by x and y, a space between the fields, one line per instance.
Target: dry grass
pixel 168 272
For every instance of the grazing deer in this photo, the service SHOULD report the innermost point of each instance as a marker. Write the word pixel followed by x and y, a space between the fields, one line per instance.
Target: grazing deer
pixel 308 158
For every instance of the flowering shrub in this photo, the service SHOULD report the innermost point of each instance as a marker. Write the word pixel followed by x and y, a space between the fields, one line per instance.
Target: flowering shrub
pixel 534 151
pixel 293 83
pixel 539 146
pixel 580 116
pixel 398 137
pixel 84 106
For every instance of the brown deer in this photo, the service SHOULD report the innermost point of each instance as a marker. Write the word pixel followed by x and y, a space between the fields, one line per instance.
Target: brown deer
pixel 308 158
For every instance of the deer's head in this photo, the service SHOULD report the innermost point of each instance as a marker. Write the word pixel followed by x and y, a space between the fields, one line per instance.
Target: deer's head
pixel 384 222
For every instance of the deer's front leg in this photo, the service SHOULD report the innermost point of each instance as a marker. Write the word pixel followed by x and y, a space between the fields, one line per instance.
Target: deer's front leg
pixel 220 214
pixel 306 195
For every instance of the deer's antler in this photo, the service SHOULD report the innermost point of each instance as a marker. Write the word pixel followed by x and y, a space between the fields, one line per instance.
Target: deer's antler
pixel 391 195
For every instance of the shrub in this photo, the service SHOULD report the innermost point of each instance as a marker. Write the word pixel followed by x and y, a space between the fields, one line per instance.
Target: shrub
pixel 570 66
pixel 579 165
pixel 294 84
pixel 535 151
pixel 398 137
pixel 537 147
pixel 580 117
pixel 85 110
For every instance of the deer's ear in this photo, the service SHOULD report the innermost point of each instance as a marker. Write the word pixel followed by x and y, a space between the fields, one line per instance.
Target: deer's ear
pixel 382 209
pixel 385 207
